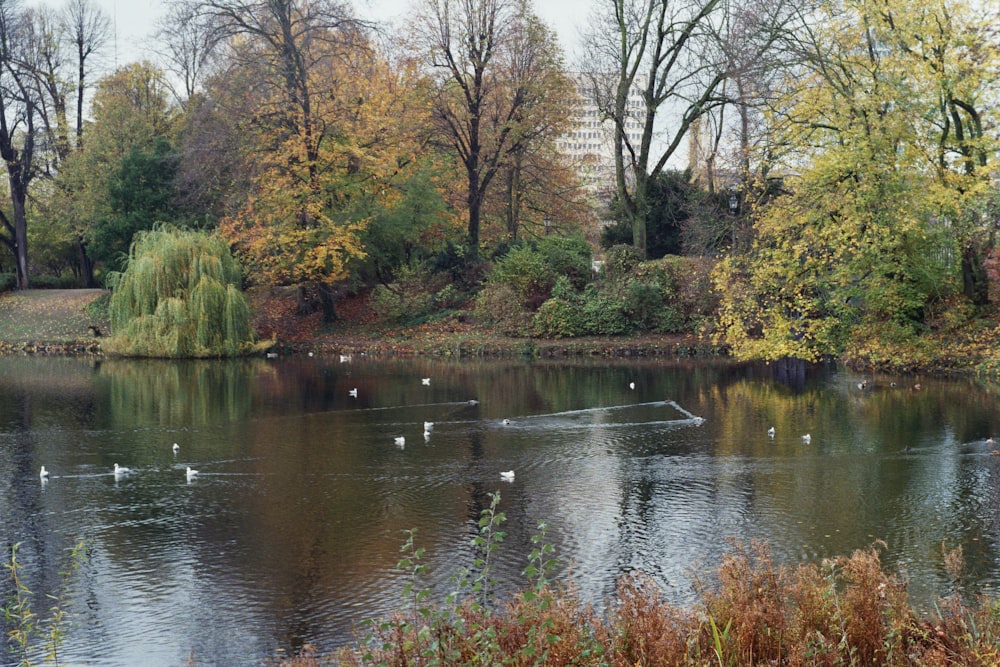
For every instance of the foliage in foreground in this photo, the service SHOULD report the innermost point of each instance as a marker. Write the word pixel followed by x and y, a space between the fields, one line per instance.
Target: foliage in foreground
pixel 847 611
pixel 179 297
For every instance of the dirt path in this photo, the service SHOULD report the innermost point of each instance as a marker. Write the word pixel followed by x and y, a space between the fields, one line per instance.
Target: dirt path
pixel 48 316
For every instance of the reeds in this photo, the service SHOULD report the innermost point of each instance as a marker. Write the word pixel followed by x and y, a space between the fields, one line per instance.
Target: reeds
pixel 845 612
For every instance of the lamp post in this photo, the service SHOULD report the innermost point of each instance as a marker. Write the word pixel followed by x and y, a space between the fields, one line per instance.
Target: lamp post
pixel 734 200
pixel 547 221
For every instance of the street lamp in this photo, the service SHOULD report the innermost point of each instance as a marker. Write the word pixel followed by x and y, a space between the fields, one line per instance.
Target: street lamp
pixel 734 200
pixel 548 224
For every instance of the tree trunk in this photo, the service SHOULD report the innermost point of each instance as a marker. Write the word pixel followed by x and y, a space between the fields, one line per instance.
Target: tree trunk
pixel 85 263
pixel 975 283
pixel 18 194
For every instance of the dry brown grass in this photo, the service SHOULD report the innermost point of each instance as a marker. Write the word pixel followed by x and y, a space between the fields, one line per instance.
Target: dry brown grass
pixel 846 612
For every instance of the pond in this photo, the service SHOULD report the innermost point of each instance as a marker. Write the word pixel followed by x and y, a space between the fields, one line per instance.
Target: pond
pixel 292 528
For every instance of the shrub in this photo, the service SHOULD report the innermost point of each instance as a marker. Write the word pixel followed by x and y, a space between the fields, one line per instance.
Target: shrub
pixel 54 282
pixel 620 261
pixel 8 281
pixel 558 318
pixel 568 256
pixel 528 272
pixel 411 296
pixel 498 305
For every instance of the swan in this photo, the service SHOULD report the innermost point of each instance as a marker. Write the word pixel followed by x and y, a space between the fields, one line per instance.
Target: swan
pixel 770 432
pixel 806 438
pixel 177 448
pixel 507 475
pixel 353 392
pixel 400 440
pixel 631 385
pixel 473 401
pixel 119 471
pixel 344 358
pixel 43 474
pixel 428 426
pixel 191 474
pixel 426 381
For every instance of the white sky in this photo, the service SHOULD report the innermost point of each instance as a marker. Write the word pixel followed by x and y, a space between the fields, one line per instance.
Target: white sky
pixel 135 21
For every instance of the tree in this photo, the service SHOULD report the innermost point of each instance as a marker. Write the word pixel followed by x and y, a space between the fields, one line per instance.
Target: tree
pixel 87 27
pixel 190 42
pixel 676 55
pixel 179 297
pixel 862 241
pixel 495 72
pixel 21 103
pixel 129 145
pixel 671 201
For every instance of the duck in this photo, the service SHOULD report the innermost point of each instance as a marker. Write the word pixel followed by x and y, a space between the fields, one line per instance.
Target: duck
pixel 770 432
pixel 344 358
pixel 176 448
pixel 506 422
pixel 425 381
pixel 631 385
pixel 400 440
pixel 353 392
pixel 191 473
pixel 806 438
pixel 43 474
pixel 119 470
pixel 507 475
pixel 428 426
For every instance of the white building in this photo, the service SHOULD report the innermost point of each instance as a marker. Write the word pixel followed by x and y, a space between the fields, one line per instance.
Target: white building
pixel 589 142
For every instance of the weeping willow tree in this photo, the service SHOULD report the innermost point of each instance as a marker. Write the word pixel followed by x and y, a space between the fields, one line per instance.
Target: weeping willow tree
pixel 179 297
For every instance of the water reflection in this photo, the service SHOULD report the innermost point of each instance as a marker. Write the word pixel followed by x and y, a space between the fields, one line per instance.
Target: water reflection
pixel 292 528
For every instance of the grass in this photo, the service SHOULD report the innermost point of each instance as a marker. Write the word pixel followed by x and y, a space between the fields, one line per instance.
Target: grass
pixel 49 316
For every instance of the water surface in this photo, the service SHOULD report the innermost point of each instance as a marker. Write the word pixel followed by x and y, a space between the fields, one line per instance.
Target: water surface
pixel 292 529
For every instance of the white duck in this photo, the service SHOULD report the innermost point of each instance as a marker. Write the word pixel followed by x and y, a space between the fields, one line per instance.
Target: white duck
pixel 507 475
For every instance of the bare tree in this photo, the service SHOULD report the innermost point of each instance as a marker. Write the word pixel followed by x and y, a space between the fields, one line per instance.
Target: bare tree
pixel 190 41
pixel 88 28
pixel 678 55
pixel 19 112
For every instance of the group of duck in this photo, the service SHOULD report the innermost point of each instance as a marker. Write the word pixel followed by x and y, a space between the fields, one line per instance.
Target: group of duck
pixel 400 440
pixel 120 471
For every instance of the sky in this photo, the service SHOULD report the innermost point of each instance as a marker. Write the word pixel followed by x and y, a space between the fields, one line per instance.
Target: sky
pixel 135 20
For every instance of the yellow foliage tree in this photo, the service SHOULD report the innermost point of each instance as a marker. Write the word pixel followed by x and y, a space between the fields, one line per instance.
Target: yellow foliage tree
pixel 890 137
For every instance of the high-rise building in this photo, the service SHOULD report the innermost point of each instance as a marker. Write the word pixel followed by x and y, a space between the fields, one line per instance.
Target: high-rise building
pixel 589 141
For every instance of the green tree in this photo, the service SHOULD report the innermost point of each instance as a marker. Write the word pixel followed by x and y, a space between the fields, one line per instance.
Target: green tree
pixel 120 180
pixel 139 194
pixel 671 199
pixel 179 297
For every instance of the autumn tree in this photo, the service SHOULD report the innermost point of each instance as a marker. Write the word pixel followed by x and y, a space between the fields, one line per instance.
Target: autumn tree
pixel 888 112
pixel 496 73
pixel 307 135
